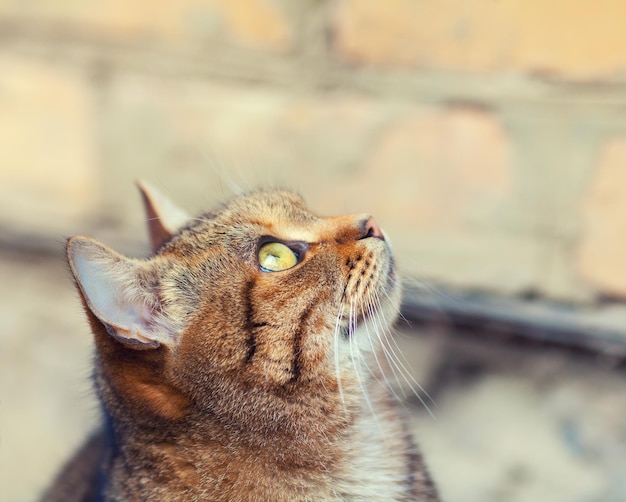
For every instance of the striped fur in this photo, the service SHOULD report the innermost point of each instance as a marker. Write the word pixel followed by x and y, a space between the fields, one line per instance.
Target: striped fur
pixel 222 381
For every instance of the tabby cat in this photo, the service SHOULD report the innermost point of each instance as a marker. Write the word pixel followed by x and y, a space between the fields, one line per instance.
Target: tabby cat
pixel 241 361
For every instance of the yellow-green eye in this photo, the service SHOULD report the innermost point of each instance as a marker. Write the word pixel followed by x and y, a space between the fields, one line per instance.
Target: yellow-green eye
pixel 274 257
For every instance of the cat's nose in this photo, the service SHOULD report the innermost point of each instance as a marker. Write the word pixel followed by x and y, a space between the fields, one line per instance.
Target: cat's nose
pixel 371 229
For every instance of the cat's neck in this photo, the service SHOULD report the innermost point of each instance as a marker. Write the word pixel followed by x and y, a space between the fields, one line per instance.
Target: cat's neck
pixel 309 457
pixel 305 458
pixel 286 424
pixel 303 435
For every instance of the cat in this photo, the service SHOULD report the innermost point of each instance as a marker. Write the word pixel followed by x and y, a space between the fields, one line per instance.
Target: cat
pixel 241 361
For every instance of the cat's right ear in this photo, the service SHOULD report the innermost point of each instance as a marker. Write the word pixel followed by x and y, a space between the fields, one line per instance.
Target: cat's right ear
pixel 121 293
pixel 164 217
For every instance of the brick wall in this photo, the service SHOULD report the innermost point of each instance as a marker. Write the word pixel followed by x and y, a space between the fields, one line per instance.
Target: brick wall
pixel 487 136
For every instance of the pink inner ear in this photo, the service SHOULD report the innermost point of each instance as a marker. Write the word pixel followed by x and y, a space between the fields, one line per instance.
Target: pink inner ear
pixel 134 340
pixel 135 331
pixel 164 217
pixel 109 284
pixel 158 233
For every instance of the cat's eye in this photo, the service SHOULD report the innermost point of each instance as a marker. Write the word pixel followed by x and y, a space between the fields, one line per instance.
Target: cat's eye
pixel 276 256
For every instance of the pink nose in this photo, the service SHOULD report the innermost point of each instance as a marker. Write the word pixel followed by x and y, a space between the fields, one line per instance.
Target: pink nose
pixel 371 229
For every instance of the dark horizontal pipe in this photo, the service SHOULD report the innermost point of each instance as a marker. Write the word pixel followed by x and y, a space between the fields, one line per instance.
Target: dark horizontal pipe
pixel 594 328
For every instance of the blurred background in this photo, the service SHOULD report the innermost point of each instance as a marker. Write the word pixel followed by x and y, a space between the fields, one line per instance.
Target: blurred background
pixel 487 136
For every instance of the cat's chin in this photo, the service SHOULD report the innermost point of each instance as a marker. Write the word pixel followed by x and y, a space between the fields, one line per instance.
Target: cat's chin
pixel 380 316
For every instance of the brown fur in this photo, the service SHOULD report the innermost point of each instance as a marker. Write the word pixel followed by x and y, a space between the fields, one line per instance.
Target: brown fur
pixel 224 384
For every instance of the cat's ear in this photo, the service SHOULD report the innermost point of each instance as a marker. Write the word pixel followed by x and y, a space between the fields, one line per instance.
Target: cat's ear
pixel 164 217
pixel 121 293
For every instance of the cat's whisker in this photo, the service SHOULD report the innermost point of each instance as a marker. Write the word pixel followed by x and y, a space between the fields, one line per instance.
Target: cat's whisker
pixel 400 357
pixel 357 367
pixel 380 333
pixel 378 329
pixel 431 291
pixel 373 347
pixel 375 353
pixel 396 307
pixel 221 167
pixel 242 166
pixel 396 363
pixel 229 320
pixel 336 336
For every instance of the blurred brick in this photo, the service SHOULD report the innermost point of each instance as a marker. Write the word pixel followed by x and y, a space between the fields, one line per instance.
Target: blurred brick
pixel 442 184
pixel 189 97
pixel 48 153
pixel 580 39
pixel 258 23
pixel 602 249
pixel 442 168
pixel 199 141
pixel 440 181
pixel 45 363
pixel 250 135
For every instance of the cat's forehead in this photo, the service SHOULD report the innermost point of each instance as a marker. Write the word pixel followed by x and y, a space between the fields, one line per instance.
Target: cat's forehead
pixel 277 213
pixel 281 211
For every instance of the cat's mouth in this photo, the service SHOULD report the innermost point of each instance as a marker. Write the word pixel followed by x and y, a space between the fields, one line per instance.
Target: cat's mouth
pixel 347 332
pixel 369 313
pixel 352 324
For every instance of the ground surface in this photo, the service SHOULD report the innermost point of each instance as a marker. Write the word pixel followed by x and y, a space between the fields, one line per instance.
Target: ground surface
pixel 513 422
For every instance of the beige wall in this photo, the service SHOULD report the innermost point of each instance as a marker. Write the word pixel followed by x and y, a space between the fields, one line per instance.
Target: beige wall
pixel 488 137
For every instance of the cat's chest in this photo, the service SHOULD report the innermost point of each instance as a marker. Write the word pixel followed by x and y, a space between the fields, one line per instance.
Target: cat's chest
pixel 237 479
pixel 367 465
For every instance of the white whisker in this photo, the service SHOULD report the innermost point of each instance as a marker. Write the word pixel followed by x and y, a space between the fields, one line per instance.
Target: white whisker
pixel 336 336
pixel 401 358
pixel 351 341
pixel 370 314
pixel 396 362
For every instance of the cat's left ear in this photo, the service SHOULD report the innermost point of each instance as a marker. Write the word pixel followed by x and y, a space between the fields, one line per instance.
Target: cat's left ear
pixel 164 217
pixel 121 293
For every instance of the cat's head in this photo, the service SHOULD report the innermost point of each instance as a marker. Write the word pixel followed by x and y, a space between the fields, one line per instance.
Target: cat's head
pixel 258 307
